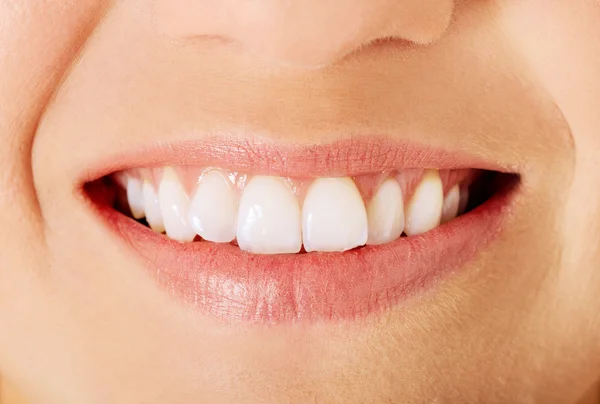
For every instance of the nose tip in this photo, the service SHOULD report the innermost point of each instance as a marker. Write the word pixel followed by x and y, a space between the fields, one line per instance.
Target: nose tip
pixel 306 33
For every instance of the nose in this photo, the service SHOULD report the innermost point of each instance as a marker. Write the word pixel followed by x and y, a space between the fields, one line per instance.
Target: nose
pixel 304 32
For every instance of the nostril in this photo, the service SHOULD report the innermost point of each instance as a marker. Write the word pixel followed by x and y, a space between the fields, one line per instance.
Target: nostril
pixel 307 33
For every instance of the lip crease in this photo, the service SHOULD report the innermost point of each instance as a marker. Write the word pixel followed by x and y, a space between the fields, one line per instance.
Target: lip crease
pixel 223 281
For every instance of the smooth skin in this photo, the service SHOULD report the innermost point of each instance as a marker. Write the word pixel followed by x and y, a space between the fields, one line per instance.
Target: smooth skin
pixel 81 321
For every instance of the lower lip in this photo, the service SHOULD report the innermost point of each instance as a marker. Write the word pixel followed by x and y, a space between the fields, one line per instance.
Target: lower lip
pixel 225 282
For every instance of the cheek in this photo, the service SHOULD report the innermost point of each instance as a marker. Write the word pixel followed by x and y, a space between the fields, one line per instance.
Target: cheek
pixel 37 41
pixel 561 43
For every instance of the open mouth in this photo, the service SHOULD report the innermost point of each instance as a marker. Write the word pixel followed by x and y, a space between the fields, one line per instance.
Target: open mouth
pixel 282 244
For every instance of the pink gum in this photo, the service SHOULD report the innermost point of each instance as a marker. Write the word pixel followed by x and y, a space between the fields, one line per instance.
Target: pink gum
pixel 366 184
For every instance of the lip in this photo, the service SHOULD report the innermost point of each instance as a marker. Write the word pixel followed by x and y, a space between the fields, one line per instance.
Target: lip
pixel 347 157
pixel 225 282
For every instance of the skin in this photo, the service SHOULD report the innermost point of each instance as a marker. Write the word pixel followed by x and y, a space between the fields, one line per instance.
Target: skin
pixel 83 323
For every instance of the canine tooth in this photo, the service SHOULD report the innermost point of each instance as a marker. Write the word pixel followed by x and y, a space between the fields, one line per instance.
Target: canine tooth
pixel 451 202
pixel 385 213
pixel 121 179
pixel 135 197
pixel 152 207
pixel 268 219
pixel 334 217
pixel 424 211
pixel 213 209
pixel 174 206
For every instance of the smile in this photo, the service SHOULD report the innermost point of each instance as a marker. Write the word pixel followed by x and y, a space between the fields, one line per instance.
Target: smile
pixel 267 234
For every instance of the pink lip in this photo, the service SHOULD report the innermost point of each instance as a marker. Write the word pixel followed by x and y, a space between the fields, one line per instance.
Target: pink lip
pixel 226 282
pixel 359 155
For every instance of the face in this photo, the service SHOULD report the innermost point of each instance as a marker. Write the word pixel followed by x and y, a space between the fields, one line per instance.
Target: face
pixel 296 170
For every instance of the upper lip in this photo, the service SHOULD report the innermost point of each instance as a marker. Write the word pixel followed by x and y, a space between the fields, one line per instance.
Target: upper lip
pixel 348 157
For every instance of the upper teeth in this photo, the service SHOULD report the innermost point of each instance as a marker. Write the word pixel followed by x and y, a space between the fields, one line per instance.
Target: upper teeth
pixel 333 216
pixel 266 217
pixel 451 204
pixel 214 208
pixel 424 211
pixel 151 206
pixel 269 218
pixel 135 197
pixel 175 207
pixel 386 213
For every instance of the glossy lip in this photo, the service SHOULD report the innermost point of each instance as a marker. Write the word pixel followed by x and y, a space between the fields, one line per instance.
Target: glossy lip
pixel 233 285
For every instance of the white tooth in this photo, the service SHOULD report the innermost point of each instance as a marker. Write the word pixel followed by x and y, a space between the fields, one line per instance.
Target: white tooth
pixel 121 179
pixel 152 207
pixel 386 213
pixel 334 217
pixel 214 208
pixel 424 211
pixel 268 219
pixel 174 206
pixel 135 197
pixel 451 202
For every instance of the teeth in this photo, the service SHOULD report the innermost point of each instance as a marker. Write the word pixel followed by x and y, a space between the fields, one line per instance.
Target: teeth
pixel 214 208
pixel 386 213
pixel 174 204
pixel 268 219
pixel 451 202
pixel 152 207
pixel 424 210
pixel 333 216
pixel 135 197
pixel 121 179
